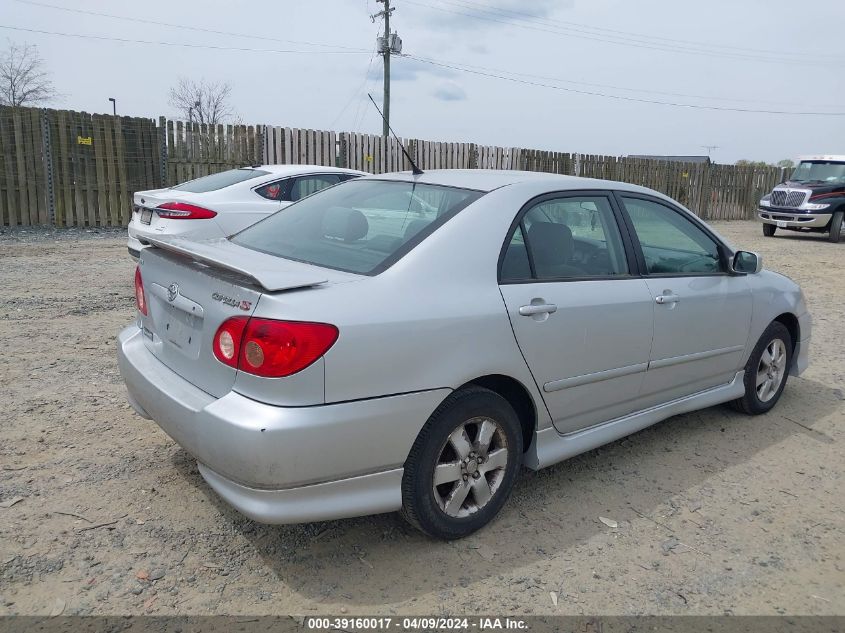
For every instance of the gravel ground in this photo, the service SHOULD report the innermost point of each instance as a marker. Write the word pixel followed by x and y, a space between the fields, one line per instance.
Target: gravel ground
pixel 716 512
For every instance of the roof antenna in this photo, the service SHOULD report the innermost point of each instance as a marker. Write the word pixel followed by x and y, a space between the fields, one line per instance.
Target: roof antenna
pixel 414 169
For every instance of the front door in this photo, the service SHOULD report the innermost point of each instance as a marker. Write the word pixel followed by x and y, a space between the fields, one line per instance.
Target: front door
pixel 702 314
pixel 582 321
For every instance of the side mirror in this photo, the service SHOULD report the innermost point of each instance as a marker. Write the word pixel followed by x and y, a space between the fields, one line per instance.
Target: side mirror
pixel 746 262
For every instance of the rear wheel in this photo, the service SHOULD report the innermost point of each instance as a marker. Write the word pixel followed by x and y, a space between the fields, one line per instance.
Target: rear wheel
pixel 766 371
pixel 463 464
pixel 769 230
pixel 837 227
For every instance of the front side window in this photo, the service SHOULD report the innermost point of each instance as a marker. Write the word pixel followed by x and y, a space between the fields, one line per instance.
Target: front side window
pixel 220 180
pixel 671 243
pixel 360 226
pixel 564 238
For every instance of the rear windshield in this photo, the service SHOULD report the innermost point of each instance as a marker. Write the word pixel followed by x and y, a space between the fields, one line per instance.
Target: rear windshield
pixel 360 226
pixel 218 181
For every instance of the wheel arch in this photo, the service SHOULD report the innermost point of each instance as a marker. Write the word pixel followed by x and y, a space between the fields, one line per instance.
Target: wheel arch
pixel 517 396
pixel 790 322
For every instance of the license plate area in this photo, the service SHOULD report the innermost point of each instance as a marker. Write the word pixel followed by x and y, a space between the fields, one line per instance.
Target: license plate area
pixel 146 216
pixel 181 330
pixel 781 224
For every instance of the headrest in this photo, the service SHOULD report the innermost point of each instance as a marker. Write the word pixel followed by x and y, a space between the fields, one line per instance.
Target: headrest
pixel 550 242
pixel 345 224
pixel 414 227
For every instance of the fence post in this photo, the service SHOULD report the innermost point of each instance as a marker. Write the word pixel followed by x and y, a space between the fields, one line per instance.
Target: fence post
pixel 343 150
pixel 47 157
pixel 162 149
pixel 473 156
pixel 704 211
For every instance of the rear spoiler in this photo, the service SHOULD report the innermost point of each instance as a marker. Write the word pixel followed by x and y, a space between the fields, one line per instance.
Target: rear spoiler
pixel 267 271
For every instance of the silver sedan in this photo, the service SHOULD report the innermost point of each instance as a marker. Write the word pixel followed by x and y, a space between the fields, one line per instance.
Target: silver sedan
pixel 408 342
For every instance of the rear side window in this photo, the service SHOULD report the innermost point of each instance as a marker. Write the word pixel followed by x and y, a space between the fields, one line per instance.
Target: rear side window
pixel 306 185
pixel 570 237
pixel 273 191
pixel 361 226
pixel 221 180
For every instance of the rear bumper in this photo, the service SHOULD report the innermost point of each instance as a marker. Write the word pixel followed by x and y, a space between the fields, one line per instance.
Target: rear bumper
pixel 134 246
pixel 793 219
pixel 282 464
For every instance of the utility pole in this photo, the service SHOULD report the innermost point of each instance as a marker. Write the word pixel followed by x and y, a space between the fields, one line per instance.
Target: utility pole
pixel 386 45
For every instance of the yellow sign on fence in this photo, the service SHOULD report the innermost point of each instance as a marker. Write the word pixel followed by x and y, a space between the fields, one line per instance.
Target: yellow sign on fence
pixel 84 140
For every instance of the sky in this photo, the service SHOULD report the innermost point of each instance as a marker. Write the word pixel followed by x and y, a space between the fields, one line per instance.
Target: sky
pixel 564 75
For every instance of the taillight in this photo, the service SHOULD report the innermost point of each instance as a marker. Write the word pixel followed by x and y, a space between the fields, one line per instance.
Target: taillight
pixel 227 340
pixel 140 299
pixel 270 348
pixel 183 211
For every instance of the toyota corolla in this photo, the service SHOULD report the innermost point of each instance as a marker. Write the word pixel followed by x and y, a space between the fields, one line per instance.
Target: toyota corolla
pixel 408 342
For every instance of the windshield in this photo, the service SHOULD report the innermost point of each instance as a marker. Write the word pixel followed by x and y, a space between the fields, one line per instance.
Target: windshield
pixel 819 171
pixel 360 226
pixel 218 181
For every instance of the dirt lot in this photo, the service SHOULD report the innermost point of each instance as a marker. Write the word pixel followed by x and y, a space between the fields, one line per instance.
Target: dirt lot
pixel 717 512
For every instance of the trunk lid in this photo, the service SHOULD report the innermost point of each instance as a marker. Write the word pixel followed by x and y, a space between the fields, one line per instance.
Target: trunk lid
pixel 191 288
pixel 145 203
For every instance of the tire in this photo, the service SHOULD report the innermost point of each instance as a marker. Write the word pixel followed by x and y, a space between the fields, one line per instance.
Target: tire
pixel 758 372
pixel 836 227
pixel 457 506
pixel 769 230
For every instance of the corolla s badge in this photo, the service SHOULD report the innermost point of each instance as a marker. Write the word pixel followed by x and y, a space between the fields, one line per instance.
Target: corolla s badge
pixel 172 292
pixel 229 301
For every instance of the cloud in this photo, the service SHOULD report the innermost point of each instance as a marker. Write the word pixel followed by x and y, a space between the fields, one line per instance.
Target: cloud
pixel 450 91
pixel 493 14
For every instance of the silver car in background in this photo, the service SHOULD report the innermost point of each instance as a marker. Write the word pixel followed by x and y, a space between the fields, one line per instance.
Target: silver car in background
pixel 407 342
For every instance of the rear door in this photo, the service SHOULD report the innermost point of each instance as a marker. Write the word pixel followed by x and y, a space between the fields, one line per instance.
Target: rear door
pixel 702 314
pixel 582 319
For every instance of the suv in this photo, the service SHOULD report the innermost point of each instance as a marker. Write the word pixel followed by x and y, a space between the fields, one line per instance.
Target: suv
pixel 812 200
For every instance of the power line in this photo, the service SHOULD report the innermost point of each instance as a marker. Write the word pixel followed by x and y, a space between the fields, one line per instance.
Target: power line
pixel 186 27
pixel 629 42
pixel 618 97
pixel 511 14
pixel 177 44
pixel 358 87
pixel 641 90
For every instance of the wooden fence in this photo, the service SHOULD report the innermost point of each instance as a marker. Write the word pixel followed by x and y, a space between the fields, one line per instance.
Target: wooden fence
pixel 73 168
pixel 77 169
pixel 193 150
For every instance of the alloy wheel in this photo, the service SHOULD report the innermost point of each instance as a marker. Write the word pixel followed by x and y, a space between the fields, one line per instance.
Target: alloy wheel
pixel 771 370
pixel 471 467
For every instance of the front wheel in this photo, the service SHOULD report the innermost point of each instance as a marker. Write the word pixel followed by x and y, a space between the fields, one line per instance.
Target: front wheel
pixel 837 227
pixel 766 371
pixel 463 464
pixel 769 230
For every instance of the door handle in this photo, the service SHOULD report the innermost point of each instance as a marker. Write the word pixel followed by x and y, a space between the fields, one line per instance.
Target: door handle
pixel 667 298
pixel 539 308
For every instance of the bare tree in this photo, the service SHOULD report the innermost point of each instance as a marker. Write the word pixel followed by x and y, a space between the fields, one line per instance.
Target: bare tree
pixel 202 101
pixel 23 79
